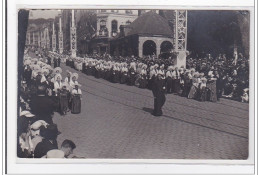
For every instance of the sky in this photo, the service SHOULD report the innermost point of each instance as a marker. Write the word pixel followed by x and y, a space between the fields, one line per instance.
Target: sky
pixel 34 14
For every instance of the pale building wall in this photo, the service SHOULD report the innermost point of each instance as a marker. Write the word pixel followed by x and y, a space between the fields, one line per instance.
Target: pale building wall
pixel 121 17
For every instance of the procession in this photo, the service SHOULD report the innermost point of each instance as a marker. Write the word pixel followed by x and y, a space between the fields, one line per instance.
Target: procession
pixel 56 85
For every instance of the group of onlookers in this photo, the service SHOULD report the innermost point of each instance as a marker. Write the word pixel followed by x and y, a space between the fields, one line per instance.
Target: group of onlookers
pixel 206 79
pixel 43 92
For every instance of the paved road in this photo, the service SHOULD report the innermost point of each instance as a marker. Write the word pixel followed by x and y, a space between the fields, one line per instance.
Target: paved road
pixel 116 122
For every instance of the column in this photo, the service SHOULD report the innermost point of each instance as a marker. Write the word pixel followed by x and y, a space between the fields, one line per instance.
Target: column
pixel 60 37
pixel 29 38
pixel 140 47
pixel 73 36
pixel 53 38
pixel 47 38
pixel 33 39
pixel 39 39
pixel 158 48
pixel 181 37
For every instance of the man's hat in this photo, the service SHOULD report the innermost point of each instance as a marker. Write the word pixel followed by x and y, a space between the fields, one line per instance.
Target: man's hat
pixel 50 132
pixel 27 114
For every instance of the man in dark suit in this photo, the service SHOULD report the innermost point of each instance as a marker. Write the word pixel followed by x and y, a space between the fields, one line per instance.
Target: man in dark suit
pixel 43 106
pixel 49 141
pixel 159 95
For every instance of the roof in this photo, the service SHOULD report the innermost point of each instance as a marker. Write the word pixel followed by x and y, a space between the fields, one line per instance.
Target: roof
pixel 150 23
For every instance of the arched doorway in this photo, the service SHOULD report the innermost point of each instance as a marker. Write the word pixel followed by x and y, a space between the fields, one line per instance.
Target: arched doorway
pixel 166 46
pixel 149 48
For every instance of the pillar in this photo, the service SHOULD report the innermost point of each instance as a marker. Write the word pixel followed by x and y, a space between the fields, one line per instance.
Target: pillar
pixel 60 37
pixel 140 47
pixel 53 38
pixel 33 39
pixel 39 39
pixel 181 37
pixel 29 38
pixel 73 36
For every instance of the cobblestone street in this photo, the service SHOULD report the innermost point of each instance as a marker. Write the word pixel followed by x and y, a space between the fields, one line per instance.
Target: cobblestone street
pixel 116 122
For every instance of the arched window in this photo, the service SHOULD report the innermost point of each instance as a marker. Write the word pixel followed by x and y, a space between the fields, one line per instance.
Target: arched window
pixel 128 22
pixel 114 26
pixel 149 48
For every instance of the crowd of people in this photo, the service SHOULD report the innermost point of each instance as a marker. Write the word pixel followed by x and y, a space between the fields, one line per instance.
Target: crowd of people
pixel 43 92
pixel 203 79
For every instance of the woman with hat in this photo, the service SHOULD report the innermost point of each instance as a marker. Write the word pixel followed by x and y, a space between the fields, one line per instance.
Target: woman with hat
pixel 89 67
pixel 194 88
pixel 124 72
pixel 57 83
pixel 68 77
pixel 187 83
pixel 76 99
pixel 202 90
pixel 115 73
pixel 211 85
pixel 64 99
pixel 74 78
pixel 176 80
pixel 131 74
pixel 152 75
pixel 143 77
pixel 169 79
pixel 57 70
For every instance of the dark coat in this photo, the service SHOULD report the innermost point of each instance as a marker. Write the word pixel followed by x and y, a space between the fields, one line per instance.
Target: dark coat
pixel 43 107
pixel 43 147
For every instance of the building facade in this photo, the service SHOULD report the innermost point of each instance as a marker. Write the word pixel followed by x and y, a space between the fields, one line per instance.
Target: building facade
pixel 108 27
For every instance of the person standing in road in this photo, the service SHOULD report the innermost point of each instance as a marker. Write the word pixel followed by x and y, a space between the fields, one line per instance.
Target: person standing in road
pixel 159 94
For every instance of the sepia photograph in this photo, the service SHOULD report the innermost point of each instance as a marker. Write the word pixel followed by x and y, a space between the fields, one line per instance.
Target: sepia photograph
pixel 115 83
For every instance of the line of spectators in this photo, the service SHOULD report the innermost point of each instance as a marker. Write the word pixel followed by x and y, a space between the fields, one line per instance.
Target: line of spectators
pixel 42 93
pixel 203 79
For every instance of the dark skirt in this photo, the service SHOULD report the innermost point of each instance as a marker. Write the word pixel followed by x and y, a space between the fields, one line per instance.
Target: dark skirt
pixel 202 94
pixel 186 89
pixel 131 79
pixel 169 86
pixel 176 86
pixel 150 84
pixel 123 78
pixel 89 71
pixel 76 104
pixel 193 92
pixel 63 103
pixel 211 85
pixel 142 83
pixel 115 77
pixel 107 75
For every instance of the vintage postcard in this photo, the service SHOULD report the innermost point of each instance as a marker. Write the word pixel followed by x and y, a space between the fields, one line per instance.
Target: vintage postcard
pixel 151 85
